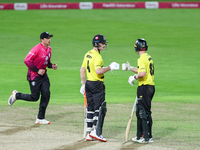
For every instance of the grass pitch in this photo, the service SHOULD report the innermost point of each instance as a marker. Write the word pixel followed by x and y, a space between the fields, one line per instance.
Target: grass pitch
pixel 172 36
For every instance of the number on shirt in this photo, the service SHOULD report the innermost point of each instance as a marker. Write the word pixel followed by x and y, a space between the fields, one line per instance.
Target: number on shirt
pixel 88 67
pixel 151 67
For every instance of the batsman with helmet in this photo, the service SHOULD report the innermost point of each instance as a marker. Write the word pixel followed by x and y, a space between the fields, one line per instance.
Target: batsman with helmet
pixel 95 88
pixel 145 91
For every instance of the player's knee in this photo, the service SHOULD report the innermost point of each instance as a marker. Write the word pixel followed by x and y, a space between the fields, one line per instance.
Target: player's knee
pixel 35 97
pixel 90 108
pixel 142 112
pixel 46 94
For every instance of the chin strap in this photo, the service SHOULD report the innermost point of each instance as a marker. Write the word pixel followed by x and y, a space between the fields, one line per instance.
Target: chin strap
pixel 98 49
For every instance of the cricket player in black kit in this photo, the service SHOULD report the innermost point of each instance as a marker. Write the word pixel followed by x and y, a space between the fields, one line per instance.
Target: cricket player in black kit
pixel 145 91
pixel 95 88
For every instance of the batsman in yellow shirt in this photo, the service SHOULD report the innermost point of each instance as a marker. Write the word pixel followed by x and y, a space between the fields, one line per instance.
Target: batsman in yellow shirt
pixel 93 61
pixel 94 87
pixel 145 91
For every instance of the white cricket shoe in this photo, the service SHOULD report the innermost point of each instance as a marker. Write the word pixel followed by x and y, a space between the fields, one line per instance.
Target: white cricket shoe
pixel 95 136
pixel 12 98
pixel 151 140
pixel 142 141
pixel 88 138
pixel 135 139
pixel 41 121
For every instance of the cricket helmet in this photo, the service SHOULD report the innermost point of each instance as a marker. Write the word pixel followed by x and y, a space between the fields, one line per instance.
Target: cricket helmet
pixel 99 38
pixel 141 45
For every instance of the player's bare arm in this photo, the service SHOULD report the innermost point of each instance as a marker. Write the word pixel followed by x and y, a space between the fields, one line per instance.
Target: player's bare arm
pixel 102 70
pixel 82 74
pixel 134 69
pixel 112 66
pixel 140 75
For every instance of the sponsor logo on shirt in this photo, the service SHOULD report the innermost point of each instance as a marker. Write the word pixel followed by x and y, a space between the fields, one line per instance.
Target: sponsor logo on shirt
pixel 46 60
pixel 33 83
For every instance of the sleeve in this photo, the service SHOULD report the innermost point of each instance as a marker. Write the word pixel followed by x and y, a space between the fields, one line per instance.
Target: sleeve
pixel 49 65
pixel 98 62
pixel 84 64
pixel 29 60
pixel 141 66
pixel 49 61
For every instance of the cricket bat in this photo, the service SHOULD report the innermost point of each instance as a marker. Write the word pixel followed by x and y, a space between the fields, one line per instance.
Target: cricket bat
pixel 130 120
pixel 85 116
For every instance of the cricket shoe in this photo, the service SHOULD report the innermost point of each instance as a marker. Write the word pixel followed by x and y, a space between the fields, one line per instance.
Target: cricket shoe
pixel 142 141
pixel 135 139
pixel 41 121
pixel 12 98
pixel 151 140
pixel 95 136
pixel 88 138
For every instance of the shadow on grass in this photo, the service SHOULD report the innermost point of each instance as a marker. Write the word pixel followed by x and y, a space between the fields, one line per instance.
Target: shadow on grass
pixel 78 145
pixel 130 146
pixel 15 129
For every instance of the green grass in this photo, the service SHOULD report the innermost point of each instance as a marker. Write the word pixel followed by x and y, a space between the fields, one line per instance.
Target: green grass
pixel 172 45
pixel 172 36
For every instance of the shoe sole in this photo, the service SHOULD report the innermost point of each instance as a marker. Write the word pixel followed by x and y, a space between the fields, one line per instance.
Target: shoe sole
pixel 91 140
pixel 133 140
pixel 9 101
pixel 42 123
pixel 97 138
pixel 142 142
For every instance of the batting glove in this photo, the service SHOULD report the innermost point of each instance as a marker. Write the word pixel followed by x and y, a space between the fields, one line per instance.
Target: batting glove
pixel 82 89
pixel 132 79
pixel 127 66
pixel 114 66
